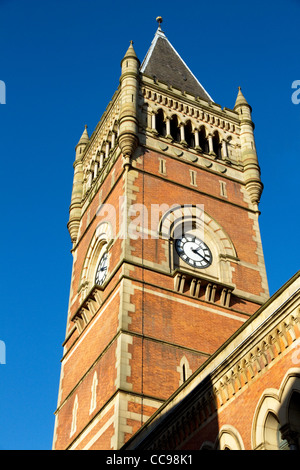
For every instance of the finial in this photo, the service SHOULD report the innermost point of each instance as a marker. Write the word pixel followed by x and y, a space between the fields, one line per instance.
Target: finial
pixel 159 20
pixel 131 42
pixel 85 126
pixel 239 88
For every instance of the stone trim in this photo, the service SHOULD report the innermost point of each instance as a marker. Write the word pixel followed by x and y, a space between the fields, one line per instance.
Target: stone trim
pixel 199 287
pixel 190 105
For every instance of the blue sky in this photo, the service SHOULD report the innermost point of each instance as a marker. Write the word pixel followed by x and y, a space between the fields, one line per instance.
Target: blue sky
pixel 60 61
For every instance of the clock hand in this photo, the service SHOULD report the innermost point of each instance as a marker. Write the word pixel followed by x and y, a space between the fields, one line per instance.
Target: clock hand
pixel 195 250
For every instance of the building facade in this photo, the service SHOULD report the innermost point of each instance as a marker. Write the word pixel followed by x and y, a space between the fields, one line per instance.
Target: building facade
pixel 167 255
pixel 246 396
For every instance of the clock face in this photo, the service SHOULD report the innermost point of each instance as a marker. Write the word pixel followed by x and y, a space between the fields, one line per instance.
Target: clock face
pixel 193 251
pixel 101 271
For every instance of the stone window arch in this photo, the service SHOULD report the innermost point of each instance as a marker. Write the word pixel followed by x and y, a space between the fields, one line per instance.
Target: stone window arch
pixel 229 439
pixel 272 436
pixel 184 370
pixel 193 219
pixel 100 243
pixel 289 412
pixel 276 419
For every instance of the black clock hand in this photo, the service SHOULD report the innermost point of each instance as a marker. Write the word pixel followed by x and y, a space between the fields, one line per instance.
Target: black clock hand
pixel 195 250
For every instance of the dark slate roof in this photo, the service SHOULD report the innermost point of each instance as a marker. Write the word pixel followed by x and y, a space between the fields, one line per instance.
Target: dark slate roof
pixel 165 64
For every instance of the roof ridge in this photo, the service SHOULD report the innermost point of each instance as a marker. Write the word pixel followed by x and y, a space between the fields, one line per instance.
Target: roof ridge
pixel 159 33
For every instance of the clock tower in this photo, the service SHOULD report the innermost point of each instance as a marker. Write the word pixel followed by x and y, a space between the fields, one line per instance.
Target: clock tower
pixel 167 255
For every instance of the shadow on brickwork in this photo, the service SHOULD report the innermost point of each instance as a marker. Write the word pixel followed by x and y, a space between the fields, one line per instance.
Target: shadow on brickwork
pixel 191 423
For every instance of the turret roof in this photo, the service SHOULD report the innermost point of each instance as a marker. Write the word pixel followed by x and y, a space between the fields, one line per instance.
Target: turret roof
pixel 84 139
pixel 241 100
pixel 130 52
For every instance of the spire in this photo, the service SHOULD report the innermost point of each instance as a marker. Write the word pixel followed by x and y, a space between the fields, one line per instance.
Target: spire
pixel 162 62
pixel 241 100
pixel 84 139
pixel 130 53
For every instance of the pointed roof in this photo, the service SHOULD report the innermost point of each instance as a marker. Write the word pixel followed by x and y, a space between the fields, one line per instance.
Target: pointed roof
pixel 130 52
pixel 164 63
pixel 241 100
pixel 84 139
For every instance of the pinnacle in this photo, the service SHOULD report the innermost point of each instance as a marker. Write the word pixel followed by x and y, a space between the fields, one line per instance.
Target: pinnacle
pixel 240 100
pixel 84 139
pixel 130 51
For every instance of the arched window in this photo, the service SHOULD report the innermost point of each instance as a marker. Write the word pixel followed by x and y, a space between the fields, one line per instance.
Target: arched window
pixel 174 128
pixel 273 440
pixel 189 136
pixel 294 411
pixel 94 393
pixel 160 123
pixel 184 370
pixel 203 140
pixel 74 417
pixel 217 144
pixel 294 420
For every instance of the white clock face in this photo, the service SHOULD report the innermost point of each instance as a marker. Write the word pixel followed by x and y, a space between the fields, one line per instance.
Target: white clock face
pixel 193 251
pixel 101 271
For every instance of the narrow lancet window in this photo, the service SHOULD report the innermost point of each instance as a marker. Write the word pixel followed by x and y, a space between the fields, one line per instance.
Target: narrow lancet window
pixel 160 123
pixel 94 393
pixel 74 417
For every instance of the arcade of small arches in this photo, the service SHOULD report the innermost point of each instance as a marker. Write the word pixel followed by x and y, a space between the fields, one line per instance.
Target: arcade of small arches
pixel 187 134
pixel 100 156
pixel 184 132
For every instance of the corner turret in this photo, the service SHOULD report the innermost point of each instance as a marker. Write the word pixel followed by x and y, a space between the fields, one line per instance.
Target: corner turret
pixel 83 141
pixel 253 182
pixel 77 190
pixel 129 80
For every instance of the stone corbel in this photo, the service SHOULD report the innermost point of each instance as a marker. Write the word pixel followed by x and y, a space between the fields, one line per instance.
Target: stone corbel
pixel 179 282
pixel 88 309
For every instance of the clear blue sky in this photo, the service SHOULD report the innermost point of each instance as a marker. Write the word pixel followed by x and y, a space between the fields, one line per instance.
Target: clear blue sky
pixel 60 61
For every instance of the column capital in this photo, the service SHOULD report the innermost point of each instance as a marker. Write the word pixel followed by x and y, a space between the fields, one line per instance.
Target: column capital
pixel 291 436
